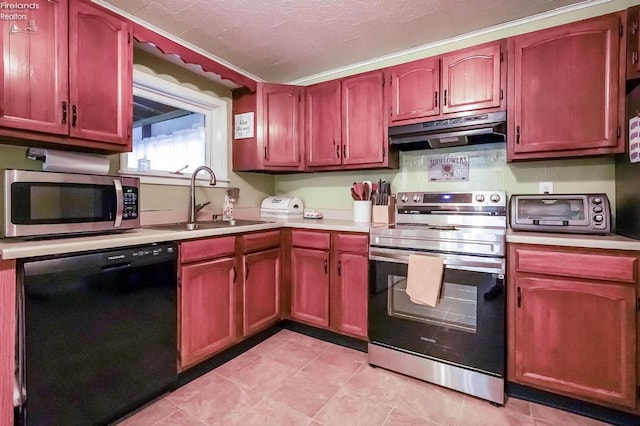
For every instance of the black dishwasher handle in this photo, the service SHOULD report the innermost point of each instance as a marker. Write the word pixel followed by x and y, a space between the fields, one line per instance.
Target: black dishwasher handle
pixel 116 267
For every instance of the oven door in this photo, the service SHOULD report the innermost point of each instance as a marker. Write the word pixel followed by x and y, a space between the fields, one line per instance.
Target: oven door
pixel 467 326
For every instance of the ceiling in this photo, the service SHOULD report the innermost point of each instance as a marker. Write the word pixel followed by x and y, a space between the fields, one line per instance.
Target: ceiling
pixel 288 40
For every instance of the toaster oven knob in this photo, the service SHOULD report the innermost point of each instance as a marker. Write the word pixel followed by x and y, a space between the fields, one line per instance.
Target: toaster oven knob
pixel 417 198
pixel 495 198
pixel 597 209
pixel 404 198
pixel 597 200
pixel 479 198
pixel 598 218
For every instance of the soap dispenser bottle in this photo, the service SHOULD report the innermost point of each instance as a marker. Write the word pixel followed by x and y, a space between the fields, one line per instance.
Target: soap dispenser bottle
pixel 227 208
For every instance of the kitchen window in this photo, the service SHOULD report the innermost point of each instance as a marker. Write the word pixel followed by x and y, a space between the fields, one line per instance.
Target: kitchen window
pixel 175 130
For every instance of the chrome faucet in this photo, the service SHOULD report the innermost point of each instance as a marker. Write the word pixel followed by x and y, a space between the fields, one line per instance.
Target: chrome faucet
pixel 192 195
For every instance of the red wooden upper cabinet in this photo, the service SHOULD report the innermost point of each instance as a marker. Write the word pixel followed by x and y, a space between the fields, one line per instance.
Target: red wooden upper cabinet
pixel 471 79
pixel 33 72
pixel 633 42
pixel 415 89
pixel 275 144
pixel 323 124
pixel 100 56
pixel 67 71
pixel 463 82
pixel 364 131
pixel 566 90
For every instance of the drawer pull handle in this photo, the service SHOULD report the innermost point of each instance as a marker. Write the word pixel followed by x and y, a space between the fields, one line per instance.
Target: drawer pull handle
pixel 326 266
pixel 519 296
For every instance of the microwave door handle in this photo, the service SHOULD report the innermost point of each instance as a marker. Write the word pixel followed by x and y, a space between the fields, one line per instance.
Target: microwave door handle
pixel 119 203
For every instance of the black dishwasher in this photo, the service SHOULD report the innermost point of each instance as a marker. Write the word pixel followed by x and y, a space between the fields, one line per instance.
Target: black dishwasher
pixel 96 334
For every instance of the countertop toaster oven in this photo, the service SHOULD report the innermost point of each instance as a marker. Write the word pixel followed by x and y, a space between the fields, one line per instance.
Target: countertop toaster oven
pixel 564 213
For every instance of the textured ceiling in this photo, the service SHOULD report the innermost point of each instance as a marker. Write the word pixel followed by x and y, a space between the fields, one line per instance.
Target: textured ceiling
pixel 286 40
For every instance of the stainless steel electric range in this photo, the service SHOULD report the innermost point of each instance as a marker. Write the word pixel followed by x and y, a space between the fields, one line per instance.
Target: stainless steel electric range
pixel 459 343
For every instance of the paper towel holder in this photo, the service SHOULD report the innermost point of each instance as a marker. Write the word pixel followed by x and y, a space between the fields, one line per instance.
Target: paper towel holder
pixel 36 154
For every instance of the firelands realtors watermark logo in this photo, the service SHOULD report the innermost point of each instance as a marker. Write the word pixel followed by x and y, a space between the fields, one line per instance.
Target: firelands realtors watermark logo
pixel 13 11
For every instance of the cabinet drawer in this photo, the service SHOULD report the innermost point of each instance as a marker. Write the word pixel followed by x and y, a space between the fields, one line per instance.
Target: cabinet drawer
pixel 352 243
pixel 260 241
pixel 310 239
pixel 192 251
pixel 583 265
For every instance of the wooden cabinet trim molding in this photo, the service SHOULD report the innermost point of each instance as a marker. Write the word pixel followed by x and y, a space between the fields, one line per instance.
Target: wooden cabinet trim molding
pixel 610 267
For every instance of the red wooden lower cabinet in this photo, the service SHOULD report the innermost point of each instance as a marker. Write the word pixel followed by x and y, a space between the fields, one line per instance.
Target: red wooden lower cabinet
pixel 310 285
pixel 572 322
pixel 351 292
pixel 7 338
pixel 329 280
pixel 261 290
pixel 229 289
pixel 207 309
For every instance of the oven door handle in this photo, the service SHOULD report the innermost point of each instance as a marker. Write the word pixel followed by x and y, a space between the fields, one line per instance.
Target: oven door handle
pixel 465 263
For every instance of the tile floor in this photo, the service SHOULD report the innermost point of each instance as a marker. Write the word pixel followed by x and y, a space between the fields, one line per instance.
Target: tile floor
pixel 293 379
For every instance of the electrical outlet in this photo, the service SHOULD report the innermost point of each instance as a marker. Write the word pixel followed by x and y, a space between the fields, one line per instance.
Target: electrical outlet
pixel 546 188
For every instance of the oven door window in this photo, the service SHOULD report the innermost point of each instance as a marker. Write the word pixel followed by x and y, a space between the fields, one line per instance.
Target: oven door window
pixel 457 307
pixel 466 327
pixel 52 203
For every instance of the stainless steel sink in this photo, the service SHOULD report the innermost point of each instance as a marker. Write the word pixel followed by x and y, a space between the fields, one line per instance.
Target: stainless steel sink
pixel 212 224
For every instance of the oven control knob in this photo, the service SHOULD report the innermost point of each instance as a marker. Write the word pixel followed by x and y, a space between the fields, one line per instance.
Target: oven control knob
pixel 479 198
pixel 597 209
pixel 495 198
pixel 404 198
pixel 598 218
pixel 417 198
pixel 597 200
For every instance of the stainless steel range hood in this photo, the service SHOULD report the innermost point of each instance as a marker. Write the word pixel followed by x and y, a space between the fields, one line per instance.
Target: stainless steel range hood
pixel 474 129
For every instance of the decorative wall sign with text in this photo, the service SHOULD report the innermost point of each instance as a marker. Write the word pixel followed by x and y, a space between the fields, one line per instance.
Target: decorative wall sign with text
pixel 446 168
pixel 243 128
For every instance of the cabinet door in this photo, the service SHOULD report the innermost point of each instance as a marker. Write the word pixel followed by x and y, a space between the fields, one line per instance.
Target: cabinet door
pixel 364 121
pixel 207 309
pixel 577 338
pixel 351 294
pixel 100 73
pixel 281 127
pixel 414 89
pixel 566 90
pixel 33 71
pixel 261 290
pixel 323 131
pixel 310 286
pixel 471 79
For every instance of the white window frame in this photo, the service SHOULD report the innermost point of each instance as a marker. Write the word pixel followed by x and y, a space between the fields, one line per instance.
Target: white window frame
pixel 215 116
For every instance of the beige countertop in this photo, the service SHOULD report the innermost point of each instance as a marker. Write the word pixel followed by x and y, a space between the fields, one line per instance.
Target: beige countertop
pixel 15 248
pixel 610 241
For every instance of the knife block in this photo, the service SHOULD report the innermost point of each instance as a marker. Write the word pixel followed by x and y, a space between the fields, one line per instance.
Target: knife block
pixel 385 213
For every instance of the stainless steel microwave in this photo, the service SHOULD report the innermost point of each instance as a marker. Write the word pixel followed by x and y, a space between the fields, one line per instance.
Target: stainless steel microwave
pixel 46 203
pixel 571 213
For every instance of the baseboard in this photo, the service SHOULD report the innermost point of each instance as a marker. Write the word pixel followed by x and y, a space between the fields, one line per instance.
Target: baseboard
pixel 598 412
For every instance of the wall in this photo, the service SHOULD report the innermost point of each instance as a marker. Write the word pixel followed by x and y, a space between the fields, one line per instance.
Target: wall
pixel 253 187
pixel 488 168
